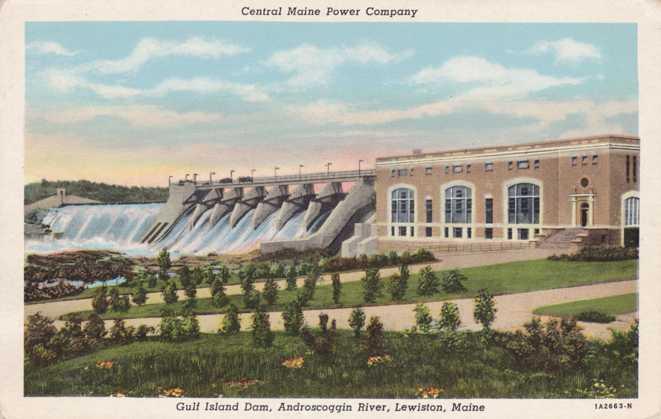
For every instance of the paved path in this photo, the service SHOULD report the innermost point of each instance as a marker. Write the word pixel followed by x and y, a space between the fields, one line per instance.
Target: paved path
pixel 56 309
pixel 513 311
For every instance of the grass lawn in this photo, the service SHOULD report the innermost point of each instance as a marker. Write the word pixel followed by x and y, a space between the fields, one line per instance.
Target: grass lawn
pixel 619 304
pixel 231 366
pixel 515 277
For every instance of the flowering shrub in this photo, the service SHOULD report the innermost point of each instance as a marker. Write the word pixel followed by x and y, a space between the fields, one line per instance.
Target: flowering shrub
pixel 243 383
pixel 429 392
pixel 104 365
pixel 378 360
pixel 173 392
pixel 598 390
pixel 293 363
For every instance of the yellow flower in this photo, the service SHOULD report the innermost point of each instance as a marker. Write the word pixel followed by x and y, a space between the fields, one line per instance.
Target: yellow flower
pixel 242 383
pixel 104 364
pixel 173 392
pixel 376 360
pixel 429 392
pixel 296 362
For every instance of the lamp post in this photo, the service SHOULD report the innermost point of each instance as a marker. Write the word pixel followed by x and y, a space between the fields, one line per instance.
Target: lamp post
pixel 300 174
pixel 275 172
pixel 328 165
pixel 169 180
pixel 211 177
pixel 232 175
pixel 186 178
pixel 359 162
pixel 195 178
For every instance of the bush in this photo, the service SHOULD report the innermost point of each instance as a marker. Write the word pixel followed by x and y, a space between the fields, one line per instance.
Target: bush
pixel 357 321
pixel 143 331
pixel 291 278
pixel 164 262
pixel 151 279
pixel 449 320
pixel 262 336
pixel 451 281
pixel 169 292
pixel 293 317
pixel 599 254
pixel 594 316
pixel 119 303
pixel 423 318
pixel 190 290
pixel 185 276
pixel 231 324
pixel 309 286
pixel 270 291
pixel 38 334
pixel 95 328
pixel 371 283
pixel 177 329
pixel 375 344
pixel 198 276
pixel 324 343
pixel 224 274
pixel 485 309
pixel 119 333
pixel 337 287
pixel 139 295
pixel 624 346
pixel 428 283
pixel 252 299
pixel 218 297
pixel 100 300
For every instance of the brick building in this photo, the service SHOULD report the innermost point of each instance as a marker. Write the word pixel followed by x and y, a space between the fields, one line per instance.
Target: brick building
pixel 513 193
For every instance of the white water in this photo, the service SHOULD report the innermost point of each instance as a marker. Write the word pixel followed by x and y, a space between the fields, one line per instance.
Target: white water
pixel 120 228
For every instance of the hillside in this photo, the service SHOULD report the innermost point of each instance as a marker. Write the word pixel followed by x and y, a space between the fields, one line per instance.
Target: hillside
pixel 98 191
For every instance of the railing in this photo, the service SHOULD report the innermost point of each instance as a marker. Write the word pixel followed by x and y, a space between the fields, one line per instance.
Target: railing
pixel 344 175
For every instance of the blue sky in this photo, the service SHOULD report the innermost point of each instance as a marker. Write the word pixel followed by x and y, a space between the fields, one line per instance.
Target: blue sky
pixel 135 102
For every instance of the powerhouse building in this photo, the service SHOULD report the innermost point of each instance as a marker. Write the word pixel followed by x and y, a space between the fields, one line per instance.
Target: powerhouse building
pixel 513 193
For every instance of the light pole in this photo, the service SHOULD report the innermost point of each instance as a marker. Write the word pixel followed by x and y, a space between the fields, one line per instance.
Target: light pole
pixel 232 175
pixel 195 178
pixel 359 162
pixel 186 178
pixel 300 175
pixel 211 177
pixel 169 180
pixel 275 172
pixel 328 165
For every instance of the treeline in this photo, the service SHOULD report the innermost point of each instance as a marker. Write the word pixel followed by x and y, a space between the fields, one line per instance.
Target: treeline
pixel 102 192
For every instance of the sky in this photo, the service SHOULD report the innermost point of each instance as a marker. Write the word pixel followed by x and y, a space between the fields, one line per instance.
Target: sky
pixel 134 102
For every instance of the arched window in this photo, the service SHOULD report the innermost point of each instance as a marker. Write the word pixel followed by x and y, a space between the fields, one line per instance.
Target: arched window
pixel 523 204
pixel 631 212
pixel 402 208
pixel 458 205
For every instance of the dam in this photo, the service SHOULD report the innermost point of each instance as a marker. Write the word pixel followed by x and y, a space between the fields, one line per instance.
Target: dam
pixel 231 216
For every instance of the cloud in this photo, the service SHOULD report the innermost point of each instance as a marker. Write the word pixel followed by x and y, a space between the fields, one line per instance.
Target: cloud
pixel 136 115
pixel 310 65
pixel 49 47
pixel 566 50
pixel 492 80
pixel 148 49
pixel 66 81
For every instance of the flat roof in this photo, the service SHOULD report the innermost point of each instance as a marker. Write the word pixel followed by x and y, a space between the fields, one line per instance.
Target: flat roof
pixel 546 145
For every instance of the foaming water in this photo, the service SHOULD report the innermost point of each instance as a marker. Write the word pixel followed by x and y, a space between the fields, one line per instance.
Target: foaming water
pixel 121 227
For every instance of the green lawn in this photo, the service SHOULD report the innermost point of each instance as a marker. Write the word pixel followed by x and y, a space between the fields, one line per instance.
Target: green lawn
pixel 214 365
pixel 619 304
pixel 499 279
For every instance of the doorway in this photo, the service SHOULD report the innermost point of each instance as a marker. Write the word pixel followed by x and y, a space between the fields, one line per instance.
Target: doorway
pixel 585 214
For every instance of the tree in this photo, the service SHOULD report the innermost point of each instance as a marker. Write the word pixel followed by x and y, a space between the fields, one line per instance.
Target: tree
pixel 151 279
pixel 197 276
pixel 210 274
pixel 375 344
pixel 185 276
pixel 95 328
pixel 100 300
pixel 139 294
pixel 190 290
pixel 337 287
pixel 218 297
pixel 357 321
pixel 428 284
pixel 224 274
pixel 449 320
pixel 119 303
pixel 324 343
pixel 396 287
pixel 291 278
pixel 451 282
pixel 485 309
pixel 164 262
pixel 262 336
pixel 270 291
pixel 423 318
pixel 169 292
pixel 292 316
pixel 119 333
pixel 231 324
pixel 371 285
pixel 309 286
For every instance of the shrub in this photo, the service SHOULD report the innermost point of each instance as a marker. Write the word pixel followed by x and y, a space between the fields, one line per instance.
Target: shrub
pixel 397 286
pixel 624 346
pixel 185 276
pixel 374 338
pixel 449 320
pixel 270 291
pixel 292 316
pixel 143 331
pixel 190 326
pixel 277 270
pixel 39 331
pixel 190 290
pixel 139 295
pixel 252 299
pixel 291 278
pixel 151 279
pixel 337 287
pixel 309 286
pixel 197 276
pixel 95 328
pixel 224 274
pixel 423 318
pixel 169 292
pixel 324 343
pixel 357 321
pixel 599 254
pixel 428 283
pixel 594 316
pixel 231 324
pixel 218 297
pixel 119 303
pixel 176 329
pixel 164 262
pixel 485 309
pixel 262 336
pixel 100 300
pixel 371 283
pixel 451 281
pixel 119 333
pixel 189 304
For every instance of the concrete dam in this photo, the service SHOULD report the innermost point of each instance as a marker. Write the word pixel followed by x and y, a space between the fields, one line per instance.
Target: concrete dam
pixel 300 212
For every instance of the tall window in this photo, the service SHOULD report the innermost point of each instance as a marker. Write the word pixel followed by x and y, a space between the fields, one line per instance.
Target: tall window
pixel 429 208
pixel 631 212
pixel 627 164
pixel 635 169
pixel 523 204
pixel 402 208
pixel 458 205
pixel 488 211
